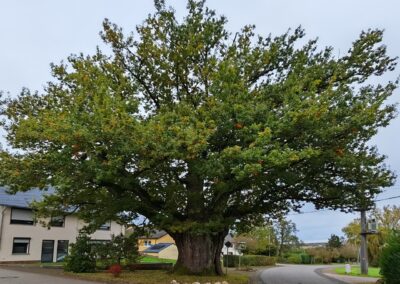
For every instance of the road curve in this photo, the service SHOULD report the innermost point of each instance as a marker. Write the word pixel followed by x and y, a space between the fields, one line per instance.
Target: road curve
pixel 19 277
pixel 295 274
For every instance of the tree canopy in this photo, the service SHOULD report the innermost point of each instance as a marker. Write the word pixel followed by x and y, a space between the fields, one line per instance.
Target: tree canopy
pixel 335 241
pixel 195 127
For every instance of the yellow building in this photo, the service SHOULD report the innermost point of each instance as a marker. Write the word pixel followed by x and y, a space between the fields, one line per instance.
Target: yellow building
pixel 162 250
pixel 155 237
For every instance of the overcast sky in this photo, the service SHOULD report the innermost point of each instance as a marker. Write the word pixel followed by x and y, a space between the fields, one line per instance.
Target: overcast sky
pixel 35 33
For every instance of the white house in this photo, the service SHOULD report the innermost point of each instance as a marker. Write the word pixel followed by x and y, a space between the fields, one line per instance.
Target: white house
pixel 24 240
pixel 233 249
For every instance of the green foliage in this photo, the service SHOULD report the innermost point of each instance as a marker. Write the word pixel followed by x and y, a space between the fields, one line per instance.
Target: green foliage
pixel 81 257
pixel 248 260
pixel 85 254
pixel 119 248
pixel 323 255
pixel 259 241
pixel 390 259
pixel 294 258
pixel 305 258
pixel 195 127
pixel 285 231
pixel 334 241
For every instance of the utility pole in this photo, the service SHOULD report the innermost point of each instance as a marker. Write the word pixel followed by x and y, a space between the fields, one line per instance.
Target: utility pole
pixel 363 249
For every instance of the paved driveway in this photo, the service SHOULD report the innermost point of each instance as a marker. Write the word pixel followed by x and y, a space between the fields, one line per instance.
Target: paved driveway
pixel 19 277
pixel 295 274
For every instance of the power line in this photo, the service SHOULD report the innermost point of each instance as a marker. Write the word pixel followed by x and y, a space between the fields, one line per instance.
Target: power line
pixel 393 197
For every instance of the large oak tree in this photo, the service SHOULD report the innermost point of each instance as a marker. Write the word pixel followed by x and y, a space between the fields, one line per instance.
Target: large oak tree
pixel 196 128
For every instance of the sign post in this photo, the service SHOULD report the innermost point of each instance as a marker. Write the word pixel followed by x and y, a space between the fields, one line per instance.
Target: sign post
pixel 241 247
pixel 228 244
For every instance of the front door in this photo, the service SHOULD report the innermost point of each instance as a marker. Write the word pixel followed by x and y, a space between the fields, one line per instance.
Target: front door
pixel 47 250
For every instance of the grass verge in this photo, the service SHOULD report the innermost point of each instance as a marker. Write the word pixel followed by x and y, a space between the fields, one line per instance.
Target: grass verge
pixel 158 276
pixel 355 271
pixel 151 259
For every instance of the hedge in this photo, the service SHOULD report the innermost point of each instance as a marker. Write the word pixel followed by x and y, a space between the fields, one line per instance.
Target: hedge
pixel 390 259
pixel 248 260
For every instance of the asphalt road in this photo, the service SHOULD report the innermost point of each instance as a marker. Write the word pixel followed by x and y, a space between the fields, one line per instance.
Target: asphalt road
pixel 18 277
pixel 295 274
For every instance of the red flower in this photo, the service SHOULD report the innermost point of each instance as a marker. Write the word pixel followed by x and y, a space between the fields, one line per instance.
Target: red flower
pixel 115 270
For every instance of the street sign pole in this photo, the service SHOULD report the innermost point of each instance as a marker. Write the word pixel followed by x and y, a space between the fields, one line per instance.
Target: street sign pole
pixel 228 244
pixel 226 264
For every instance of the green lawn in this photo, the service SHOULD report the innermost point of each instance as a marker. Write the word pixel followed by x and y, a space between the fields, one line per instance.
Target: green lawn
pixel 355 271
pixel 152 259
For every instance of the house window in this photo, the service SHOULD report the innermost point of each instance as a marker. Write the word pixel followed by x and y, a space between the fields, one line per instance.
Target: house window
pixel 106 226
pixel 57 221
pixel 21 245
pixel 147 243
pixel 21 216
pixel 62 250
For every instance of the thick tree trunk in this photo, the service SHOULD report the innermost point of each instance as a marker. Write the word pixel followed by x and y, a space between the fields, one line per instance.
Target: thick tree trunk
pixel 199 253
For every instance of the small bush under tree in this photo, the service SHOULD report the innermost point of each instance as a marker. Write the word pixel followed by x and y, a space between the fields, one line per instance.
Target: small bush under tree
pixel 81 257
pixel 117 249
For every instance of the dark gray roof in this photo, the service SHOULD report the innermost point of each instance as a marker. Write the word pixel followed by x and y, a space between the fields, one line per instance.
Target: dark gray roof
pixel 154 234
pixel 20 199
pixel 157 247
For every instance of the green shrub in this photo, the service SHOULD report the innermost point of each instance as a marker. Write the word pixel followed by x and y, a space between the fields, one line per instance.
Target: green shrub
pixel 390 259
pixel 248 260
pixel 81 257
pixel 305 258
pixel 85 254
pixel 294 259
pixel 117 249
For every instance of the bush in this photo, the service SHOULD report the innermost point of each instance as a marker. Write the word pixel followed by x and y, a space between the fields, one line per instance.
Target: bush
pixel 81 257
pixel 115 270
pixel 118 249
pixel 294 259
pixel 390 259
pixel 305 258
pixel 248 260
pixel 323 255
pixel 85 254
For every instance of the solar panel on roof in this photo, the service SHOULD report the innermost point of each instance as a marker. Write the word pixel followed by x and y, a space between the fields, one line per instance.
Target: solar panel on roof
pixel 21 199
pixel 158 247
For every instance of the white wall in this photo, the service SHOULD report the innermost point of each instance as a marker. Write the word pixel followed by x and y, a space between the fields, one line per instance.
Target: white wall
pixel 170 252
pixel 38 233
pixel 230 251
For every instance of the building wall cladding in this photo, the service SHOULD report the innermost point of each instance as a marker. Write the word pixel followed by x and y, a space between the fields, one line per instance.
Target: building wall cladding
pixel 36 233
pixel 170 252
